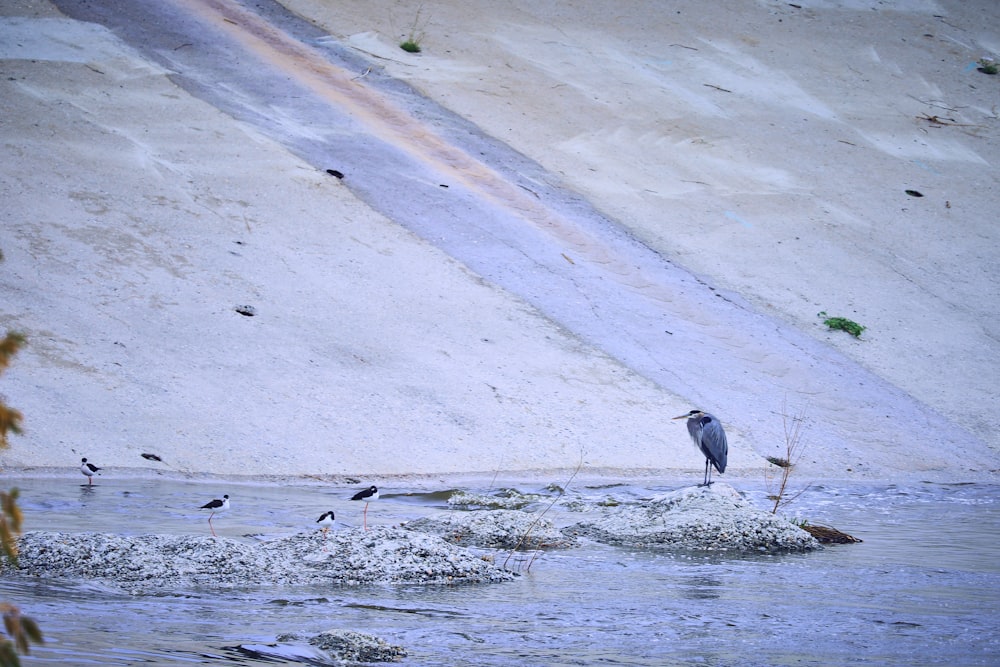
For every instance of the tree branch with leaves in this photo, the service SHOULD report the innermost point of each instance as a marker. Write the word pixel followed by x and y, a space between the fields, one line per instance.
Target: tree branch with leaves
pixel 21 631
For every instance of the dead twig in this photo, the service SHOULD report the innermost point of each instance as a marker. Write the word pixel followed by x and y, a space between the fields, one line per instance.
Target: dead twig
pixel 524 537
pixel 793 452
pixel 717 87
pixel 940 122
pixel 936 105
pixel 828 535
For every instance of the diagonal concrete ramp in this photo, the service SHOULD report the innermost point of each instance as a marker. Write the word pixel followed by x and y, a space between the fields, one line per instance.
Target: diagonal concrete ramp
pixel 512 223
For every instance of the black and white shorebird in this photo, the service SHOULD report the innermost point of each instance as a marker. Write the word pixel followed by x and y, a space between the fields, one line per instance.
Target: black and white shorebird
pixel 218 507
pixel 88 469
pixel 325 520
pixel 368 495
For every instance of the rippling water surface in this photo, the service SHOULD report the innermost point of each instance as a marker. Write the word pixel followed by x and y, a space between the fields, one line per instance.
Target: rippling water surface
pixel 922 589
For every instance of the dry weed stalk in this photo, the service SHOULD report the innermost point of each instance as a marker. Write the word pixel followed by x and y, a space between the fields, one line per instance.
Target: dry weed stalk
pixel 792 425
pixel 527 533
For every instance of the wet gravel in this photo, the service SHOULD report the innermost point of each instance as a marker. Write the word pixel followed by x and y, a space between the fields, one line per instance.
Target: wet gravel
pixel 712 518
pixel 445 548
pixel 150 563
pixel 495 529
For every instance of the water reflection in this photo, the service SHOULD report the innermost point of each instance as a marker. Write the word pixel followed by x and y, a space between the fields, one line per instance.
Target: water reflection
pixel 702 587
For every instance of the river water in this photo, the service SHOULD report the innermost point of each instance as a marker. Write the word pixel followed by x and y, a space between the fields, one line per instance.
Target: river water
pixel 923 588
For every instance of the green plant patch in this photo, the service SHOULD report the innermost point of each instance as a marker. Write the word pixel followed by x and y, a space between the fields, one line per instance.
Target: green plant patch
pixel 412 42
pixel 842 324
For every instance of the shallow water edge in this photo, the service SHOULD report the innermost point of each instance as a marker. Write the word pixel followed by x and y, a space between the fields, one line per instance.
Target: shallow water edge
pixel 920 589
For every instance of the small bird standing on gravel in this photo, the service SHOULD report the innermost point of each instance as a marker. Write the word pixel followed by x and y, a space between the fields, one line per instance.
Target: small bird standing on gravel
pixel 368 495
pixel 325 520
pixel 709 437
pixel 218 507
pixel 88 469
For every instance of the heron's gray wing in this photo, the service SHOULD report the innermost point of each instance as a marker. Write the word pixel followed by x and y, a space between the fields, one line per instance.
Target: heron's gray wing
pixel 694 430
pixel 713 442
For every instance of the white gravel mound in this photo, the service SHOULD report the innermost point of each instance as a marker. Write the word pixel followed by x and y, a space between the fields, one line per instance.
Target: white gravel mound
pixel 697 518
pixel 150 563
pixel 495 529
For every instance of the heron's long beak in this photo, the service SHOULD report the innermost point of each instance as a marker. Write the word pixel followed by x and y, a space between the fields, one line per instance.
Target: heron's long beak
pixel 680 417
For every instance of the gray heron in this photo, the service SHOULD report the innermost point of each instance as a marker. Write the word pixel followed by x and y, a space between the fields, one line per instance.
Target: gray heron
pixel 709 437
